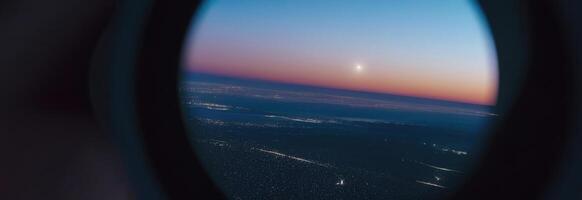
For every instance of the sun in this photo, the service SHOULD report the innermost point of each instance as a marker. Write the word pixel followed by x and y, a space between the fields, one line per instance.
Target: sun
pixel 358 68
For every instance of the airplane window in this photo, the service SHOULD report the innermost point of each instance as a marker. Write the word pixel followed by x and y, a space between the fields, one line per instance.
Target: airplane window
pixel 297 99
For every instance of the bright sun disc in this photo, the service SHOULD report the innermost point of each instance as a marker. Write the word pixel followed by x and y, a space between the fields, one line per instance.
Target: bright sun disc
pixel 359 68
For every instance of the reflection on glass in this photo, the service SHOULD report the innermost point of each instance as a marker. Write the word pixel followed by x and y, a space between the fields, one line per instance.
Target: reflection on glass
pixel 293 99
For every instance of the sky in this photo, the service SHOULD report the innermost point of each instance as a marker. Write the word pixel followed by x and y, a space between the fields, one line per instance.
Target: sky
pixel 431 49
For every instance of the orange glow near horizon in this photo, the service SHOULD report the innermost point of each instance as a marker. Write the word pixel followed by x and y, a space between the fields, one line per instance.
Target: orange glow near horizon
pixel 400 83
pixel 435 50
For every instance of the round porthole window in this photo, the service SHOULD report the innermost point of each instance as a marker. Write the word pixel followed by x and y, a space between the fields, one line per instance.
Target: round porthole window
pixel 338 99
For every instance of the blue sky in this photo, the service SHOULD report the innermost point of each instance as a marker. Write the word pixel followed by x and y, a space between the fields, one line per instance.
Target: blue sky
pixel 434 49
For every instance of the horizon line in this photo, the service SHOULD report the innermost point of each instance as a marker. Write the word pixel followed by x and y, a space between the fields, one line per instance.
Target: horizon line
pixel 334 88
